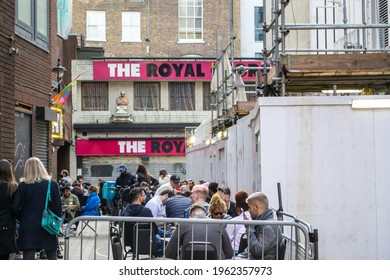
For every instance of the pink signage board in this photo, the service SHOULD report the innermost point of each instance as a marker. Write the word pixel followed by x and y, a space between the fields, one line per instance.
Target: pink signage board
pixel 161 70
pixel 110 147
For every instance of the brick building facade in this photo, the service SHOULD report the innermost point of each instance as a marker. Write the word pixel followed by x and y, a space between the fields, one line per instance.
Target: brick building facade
pixel 158 27
pixel 29 51
pixel 7 80
pixel 174 41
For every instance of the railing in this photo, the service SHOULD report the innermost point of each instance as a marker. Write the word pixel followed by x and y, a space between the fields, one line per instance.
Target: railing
pixel 94 242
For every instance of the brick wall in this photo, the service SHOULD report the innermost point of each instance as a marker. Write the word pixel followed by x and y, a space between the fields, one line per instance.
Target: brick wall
pixel 33 77
pixel 163 27
pixel 7 100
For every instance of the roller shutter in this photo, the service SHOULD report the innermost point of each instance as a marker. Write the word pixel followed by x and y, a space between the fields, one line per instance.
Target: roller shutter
pixel 107 167
pixel 42 141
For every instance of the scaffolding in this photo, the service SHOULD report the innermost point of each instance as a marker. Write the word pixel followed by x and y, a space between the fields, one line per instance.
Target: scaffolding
pixel 282 71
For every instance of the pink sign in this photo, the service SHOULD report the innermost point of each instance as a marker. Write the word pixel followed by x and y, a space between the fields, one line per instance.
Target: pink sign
pixel 110 147
pixel 160 71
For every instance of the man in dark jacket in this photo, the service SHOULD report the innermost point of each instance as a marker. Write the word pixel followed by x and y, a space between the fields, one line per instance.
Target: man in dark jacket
pixel 136 209
pixel 263 239
pixel 125 178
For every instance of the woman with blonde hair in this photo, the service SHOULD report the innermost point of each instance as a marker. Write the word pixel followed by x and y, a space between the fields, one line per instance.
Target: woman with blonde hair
pixel 217 208
pixel 28 206
pixel 7 219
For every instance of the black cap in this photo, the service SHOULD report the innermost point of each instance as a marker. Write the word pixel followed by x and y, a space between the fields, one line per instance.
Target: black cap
pixel 175 178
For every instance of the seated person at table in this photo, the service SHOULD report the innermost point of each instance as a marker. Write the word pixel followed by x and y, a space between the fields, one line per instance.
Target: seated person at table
pixel 176 205
pixel 137 209
pixel 262 239
pixel 70 204
pixel 77 190
pixel 217 208
pixel 215 235
pixel 93 202
pixel 157 205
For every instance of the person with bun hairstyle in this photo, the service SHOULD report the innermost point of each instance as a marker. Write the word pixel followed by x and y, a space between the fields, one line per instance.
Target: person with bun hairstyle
pixel 235 231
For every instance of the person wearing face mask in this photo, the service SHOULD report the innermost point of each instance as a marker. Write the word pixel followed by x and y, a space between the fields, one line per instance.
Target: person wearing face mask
pixel 65 178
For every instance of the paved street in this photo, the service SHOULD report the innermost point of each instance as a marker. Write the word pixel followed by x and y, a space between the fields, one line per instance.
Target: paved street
pixel 83 246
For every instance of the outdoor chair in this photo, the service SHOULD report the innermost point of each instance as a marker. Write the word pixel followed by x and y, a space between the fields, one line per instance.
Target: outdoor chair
pixel 117 251
pixel 138 240
pixel 200 250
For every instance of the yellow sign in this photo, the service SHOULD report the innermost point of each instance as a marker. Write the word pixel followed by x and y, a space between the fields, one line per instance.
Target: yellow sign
pixel 58 125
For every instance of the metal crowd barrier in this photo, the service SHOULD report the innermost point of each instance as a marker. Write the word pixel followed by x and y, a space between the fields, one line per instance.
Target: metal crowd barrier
pixel 94 242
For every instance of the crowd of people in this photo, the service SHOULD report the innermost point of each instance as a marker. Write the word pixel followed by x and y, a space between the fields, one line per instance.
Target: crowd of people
pixel 175 198
pixel 21 207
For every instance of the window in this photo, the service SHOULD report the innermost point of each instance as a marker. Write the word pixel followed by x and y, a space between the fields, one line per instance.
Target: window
pixel 146 96
pixel 101 170
pixel 94 96
pixel 258 24
pixel 32 21
pixel 181 96
pixel 258 55
pixel 131 27
pixel 96 26
pixel 190 20
pixel 207 97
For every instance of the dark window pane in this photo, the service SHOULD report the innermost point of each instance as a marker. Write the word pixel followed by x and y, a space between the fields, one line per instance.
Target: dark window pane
pixel 258 23
pixel 146 96
pixel 181 96
pixel 101 170
pixel 207 98
pixel 94 96
pixel 258 35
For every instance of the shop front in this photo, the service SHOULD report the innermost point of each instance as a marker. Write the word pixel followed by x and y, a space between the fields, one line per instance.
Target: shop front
pixel 100 158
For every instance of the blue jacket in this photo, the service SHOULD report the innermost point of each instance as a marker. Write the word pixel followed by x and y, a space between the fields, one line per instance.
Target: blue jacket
pixel 91 208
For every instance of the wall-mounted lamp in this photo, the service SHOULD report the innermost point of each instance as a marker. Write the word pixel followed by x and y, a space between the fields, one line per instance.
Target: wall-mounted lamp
pixel 59 70
pixel 12 51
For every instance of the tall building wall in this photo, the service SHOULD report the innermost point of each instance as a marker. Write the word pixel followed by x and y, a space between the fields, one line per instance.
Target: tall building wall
pixel 7 78
pixel 161 19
